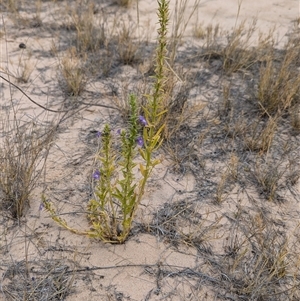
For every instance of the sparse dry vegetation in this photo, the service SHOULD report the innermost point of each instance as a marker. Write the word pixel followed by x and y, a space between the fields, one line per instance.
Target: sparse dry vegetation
pixel 225 201
pixel 73 73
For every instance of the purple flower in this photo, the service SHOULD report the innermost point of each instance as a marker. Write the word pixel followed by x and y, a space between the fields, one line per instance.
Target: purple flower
pixel 142 120
pixel 41 207
pixel 98 134
pixel 140 141
pixel 96 175
pixel 120 131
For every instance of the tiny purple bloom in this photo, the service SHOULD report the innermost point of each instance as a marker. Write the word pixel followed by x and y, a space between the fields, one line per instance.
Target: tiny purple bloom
pixel 96 175
pixel 140 141
pixel 142 120
pixel 98 134
pixel 41 207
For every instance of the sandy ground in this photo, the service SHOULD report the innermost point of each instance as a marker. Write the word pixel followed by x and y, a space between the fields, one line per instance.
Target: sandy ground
pixel 152 264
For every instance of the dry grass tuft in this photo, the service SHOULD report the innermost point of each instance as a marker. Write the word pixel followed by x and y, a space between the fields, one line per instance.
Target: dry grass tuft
pixel 235 56
pixel 38 280
pixel 295 115
pixel 90 30
pixel 127 47
pixel 25 69
pixel 259 265
pixel 279 82
pixel 260 134
pixel 125 3
pixel 12 6
pixel 269 177
pixel 23 152
pixel 73 73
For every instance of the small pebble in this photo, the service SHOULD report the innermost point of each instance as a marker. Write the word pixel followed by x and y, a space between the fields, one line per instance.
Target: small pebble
pixel 22 46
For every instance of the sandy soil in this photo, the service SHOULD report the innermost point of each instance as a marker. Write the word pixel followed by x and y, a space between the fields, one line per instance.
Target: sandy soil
pixel 155 263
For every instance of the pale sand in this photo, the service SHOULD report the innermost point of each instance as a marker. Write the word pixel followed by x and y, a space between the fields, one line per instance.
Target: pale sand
pixel 148 264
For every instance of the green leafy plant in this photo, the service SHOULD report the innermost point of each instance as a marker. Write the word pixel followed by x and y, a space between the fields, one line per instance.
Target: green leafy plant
pixel 118 191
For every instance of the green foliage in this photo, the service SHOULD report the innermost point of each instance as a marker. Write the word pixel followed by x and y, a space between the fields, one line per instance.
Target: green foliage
pixel 111 211
pixel 118 192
